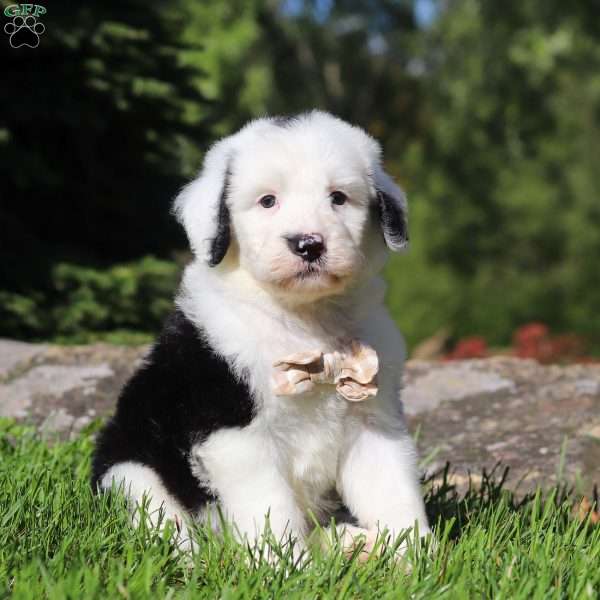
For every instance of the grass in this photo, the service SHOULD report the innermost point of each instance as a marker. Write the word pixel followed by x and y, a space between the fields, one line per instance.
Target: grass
pixel 58 541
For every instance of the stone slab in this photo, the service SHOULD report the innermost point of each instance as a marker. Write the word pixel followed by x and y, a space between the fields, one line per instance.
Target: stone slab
pixel 541 421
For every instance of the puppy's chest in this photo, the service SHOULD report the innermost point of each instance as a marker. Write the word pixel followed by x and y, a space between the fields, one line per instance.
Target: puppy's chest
pixel 309 432
pixel 307 426
pixel 304 431
pixel 301 440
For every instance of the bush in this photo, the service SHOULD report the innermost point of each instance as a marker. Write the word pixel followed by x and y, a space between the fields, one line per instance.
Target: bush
pixel 86 303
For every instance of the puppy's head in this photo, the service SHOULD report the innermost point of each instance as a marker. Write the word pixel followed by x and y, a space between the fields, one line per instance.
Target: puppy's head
pixel 302 204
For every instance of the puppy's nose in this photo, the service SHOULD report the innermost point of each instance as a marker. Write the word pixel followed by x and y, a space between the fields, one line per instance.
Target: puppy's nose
pixel 309 246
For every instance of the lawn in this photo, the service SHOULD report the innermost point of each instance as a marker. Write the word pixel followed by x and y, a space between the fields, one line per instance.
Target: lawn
pixel 57 540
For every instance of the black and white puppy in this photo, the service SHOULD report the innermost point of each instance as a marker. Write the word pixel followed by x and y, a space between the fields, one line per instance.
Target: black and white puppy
pixel 290 221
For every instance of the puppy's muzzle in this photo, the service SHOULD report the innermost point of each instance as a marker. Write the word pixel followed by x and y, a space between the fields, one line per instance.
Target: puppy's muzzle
pixel 308 246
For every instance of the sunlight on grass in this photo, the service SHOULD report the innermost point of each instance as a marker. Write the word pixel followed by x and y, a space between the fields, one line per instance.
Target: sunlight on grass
pixel 58 540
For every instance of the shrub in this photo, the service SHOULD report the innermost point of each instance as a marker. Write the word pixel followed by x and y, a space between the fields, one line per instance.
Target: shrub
pixel 85 303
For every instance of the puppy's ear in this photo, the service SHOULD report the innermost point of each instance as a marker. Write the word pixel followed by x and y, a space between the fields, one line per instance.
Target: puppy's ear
pixel 202 209
pixel 392 211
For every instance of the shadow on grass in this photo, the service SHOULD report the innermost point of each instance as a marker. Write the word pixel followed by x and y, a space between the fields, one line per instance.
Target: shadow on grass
pixel 449 507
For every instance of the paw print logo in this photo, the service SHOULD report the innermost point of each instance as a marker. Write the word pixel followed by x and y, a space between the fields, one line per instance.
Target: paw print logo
pixel 24 31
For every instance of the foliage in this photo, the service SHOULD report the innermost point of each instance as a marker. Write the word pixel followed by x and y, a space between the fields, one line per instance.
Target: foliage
pixel 91 133
pixel 352 59
pixel 232 67
pixel 59 540
pixel 93 154
pixel 86 303
pixel 489 116
pixel 506 183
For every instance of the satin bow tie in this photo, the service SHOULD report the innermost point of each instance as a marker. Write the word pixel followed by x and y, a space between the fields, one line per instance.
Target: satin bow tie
pixel 352 373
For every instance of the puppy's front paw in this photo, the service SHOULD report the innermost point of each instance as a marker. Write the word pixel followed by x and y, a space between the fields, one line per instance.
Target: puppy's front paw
pixel 351 539
pixel 367 542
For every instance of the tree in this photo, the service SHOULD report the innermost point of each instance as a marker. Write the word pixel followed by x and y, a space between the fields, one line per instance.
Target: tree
pixel 91 132
pixel 509 198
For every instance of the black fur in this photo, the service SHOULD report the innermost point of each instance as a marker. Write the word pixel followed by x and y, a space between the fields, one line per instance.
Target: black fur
pixel 220 243
pixel 393 221
pixel 285 120
pixel 182 393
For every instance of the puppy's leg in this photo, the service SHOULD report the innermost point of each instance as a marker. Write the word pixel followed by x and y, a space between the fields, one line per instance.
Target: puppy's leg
pixel 242 469
pixel 378 481
pixel 139 482
pixel 350 538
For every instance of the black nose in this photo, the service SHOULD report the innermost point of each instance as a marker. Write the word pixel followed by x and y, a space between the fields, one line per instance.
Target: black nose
pixel 309 246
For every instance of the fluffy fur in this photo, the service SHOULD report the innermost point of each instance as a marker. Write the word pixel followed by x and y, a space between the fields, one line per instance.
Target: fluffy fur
pixel 198 426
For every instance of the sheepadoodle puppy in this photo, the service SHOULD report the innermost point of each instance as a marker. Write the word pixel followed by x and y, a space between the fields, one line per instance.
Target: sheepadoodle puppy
pixel 275 383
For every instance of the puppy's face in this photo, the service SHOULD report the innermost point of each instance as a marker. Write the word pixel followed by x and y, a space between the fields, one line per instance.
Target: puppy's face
pixel 300 209
pixel 305 200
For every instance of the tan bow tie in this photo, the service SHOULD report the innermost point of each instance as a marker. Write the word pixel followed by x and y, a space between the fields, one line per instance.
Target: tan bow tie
pixel 352 373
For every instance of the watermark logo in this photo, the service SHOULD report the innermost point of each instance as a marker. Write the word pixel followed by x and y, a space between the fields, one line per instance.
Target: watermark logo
pixel 24 29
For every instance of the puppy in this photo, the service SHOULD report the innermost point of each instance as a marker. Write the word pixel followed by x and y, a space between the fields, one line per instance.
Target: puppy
pixel 290 222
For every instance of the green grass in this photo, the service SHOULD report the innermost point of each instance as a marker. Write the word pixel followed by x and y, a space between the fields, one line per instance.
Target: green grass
pixel 59 541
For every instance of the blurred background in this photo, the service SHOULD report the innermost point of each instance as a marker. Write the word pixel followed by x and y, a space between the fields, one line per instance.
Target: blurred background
pixel 489 114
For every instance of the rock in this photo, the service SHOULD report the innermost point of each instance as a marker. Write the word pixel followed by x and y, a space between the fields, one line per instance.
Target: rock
pixel 593 432
pixel 13 354
pixel 66 387
pixel 541 421
pixel 58 421
pixel 453 381
pixel 48 380
pixel 587 387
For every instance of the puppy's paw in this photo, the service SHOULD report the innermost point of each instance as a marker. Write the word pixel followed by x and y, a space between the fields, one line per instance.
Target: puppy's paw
pixel 351 540
pixel 364 543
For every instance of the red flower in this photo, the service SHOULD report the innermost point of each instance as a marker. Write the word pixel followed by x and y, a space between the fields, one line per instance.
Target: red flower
pixel 471 347
pixel 530 334
pixel 534 341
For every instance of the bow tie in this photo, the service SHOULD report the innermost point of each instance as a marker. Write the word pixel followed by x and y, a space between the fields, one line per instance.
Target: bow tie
pixel 353 373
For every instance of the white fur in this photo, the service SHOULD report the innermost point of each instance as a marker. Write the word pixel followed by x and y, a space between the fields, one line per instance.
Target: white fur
pixel 255 309
pixel 138 482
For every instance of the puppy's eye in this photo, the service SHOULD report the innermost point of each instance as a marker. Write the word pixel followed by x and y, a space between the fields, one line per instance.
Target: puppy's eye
pixel 267 201
pixel 338 198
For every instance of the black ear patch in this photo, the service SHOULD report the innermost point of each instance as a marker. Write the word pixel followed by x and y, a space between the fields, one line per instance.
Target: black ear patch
pixel 392 217
pixel 220 243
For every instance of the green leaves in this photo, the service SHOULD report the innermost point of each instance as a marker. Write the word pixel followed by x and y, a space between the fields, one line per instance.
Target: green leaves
pixel 489 116
pixel 504 179
pixel 124 303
